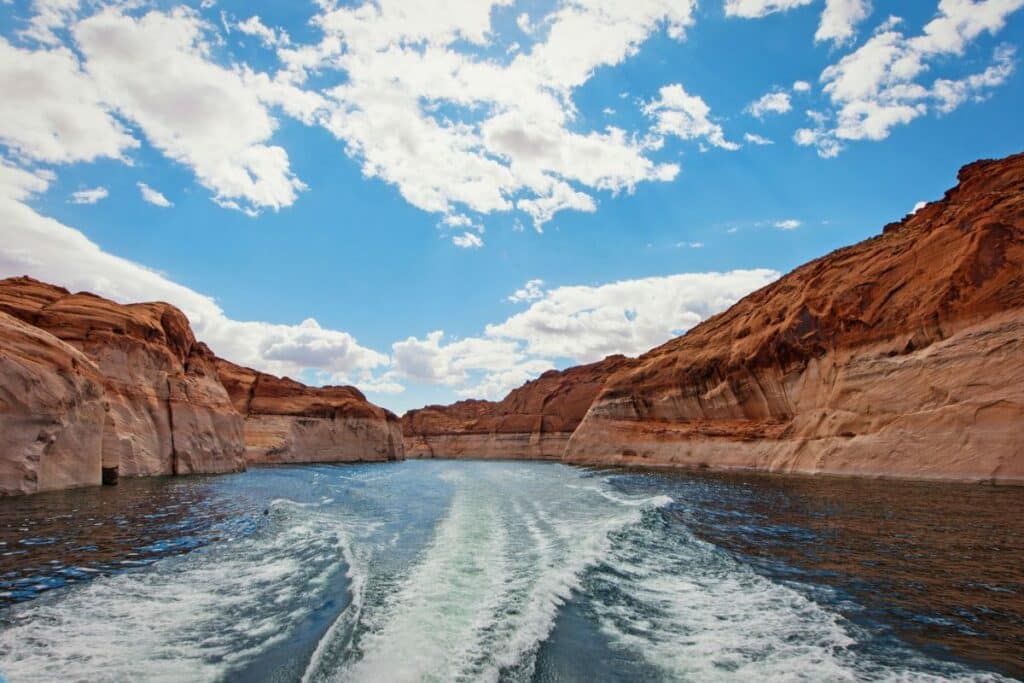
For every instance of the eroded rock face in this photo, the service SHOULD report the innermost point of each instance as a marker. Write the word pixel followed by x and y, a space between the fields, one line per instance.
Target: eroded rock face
pixel 898 356
pixel 534 421
pixel 51 412
pixel 165 410
pixel 286 421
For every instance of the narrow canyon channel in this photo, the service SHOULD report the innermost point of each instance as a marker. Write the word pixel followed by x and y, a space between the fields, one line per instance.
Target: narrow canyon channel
pixel 512 571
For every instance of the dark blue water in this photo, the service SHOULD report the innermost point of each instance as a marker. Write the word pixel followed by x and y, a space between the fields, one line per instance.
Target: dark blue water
pixel 446 571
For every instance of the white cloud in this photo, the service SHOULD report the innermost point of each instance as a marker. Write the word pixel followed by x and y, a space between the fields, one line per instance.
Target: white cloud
pixel 254 26
pixel 755 139
pixel 880 84
pixel 18 184
pixel 690 245
pixel 787 224
pixel 840 18
pixel 801 86
pixel 686 116
pixel 453 131
pixel 51 111
pixel 531 291
pixel 523 22
pixel 755 9
pixel 156 71
pixel 950 94
pixel 587 323
pixel 90 196
pixel 48 17
pixel 44 248
pixel 918 207
pixel 770 103
pixel 467 240
pixel 154 197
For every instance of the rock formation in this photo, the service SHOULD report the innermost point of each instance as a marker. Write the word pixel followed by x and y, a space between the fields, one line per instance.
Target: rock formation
pixel 901 356
pixel 117 388
pixel 286 421
pixel 51 412
pixel 534 421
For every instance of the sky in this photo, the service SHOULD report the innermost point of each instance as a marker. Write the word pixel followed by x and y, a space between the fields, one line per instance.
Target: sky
pixel 439 200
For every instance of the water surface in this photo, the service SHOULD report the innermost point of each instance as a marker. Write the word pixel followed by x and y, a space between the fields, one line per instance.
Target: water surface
pixel 464 571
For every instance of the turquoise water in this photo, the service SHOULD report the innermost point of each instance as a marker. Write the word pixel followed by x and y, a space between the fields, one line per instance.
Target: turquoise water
pixel 467 571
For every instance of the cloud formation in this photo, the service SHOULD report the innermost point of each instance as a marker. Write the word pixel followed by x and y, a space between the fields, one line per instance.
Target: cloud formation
pixel 90 196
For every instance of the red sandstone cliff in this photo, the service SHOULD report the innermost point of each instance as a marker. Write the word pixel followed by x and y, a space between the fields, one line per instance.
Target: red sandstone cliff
pixel 534 421
pixel 105 385
pixel 286 421
pixel 901 356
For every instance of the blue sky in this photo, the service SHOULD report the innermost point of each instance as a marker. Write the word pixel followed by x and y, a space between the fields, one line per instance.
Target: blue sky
pixel 399 178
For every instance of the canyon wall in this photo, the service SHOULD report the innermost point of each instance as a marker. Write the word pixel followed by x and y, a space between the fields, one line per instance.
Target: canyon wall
pixel 900 356
pixel 288 422
pixel 91 390
pixel 534 421
pixel 163 409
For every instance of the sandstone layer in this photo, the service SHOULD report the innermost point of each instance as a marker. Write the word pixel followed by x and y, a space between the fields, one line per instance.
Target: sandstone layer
pixel 162 408
pixel 51 412
pixel 289 422
pixel 534 421
pixel 899 356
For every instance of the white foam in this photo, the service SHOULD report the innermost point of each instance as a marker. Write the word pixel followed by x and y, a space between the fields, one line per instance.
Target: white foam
pixel 192 617
pixel 695 613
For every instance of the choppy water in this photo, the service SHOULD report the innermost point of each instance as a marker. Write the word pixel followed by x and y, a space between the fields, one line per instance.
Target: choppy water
pixel 466 571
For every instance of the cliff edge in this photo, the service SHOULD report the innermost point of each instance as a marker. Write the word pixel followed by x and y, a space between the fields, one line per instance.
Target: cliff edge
pixel 900 356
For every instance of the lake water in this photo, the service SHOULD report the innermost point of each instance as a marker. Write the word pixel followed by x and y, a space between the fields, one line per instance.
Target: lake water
pixel 466 571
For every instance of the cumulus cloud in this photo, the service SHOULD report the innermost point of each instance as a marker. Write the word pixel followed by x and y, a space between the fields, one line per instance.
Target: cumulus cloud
pixel 52 111
pixel 467 240
pixel 770 103
pixel 788 224
pixel 48 17
pixel 254 26
pixel 839 18
pixel 46 249
pixel 531 291
pixel 678 113
pixel 801 86
pixel 881 84
pixel 155 70
pixel 755 139
pixel 587 323
pixel 18 184
pixel 421 109
pixel 154 197
pixel 90 196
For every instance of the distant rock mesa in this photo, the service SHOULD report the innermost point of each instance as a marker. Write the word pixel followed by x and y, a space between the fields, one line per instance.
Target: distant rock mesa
pixel 287 422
